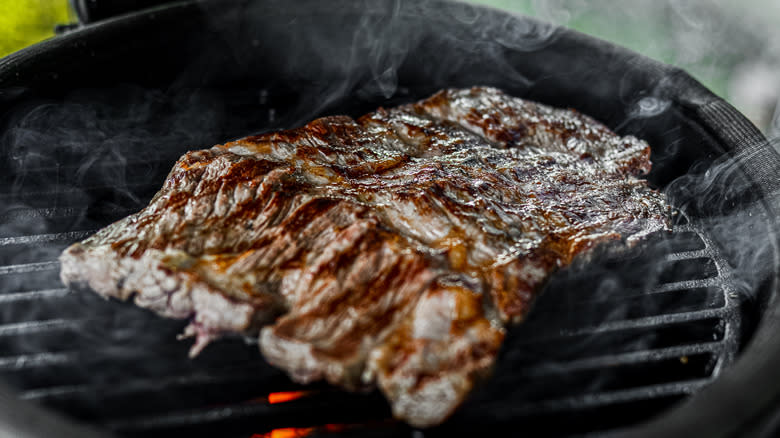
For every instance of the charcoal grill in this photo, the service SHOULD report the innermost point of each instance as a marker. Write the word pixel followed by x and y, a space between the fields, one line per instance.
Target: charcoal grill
pixel 659 341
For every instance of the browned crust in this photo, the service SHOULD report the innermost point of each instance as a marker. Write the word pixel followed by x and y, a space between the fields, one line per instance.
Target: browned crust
pixel 390 250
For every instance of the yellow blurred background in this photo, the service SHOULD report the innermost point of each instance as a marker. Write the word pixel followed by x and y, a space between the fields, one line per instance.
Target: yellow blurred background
pixel 24 22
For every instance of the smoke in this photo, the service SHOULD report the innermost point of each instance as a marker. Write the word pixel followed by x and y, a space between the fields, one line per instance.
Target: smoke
pixel 72 165
pixel 350 62
pixel 733 48
pixel 106 150
pixel 774 131
pixel 739 220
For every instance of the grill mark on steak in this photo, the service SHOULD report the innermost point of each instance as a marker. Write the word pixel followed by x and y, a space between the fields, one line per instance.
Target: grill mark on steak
pixel 391 250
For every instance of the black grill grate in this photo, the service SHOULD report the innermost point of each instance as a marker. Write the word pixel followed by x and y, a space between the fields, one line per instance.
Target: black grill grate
pixel 594 355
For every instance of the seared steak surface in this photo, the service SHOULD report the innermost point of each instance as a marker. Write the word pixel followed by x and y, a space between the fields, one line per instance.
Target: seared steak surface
pixel 391 250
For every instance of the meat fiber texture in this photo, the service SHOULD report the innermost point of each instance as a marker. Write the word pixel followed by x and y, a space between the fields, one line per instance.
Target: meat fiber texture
pixel 390 251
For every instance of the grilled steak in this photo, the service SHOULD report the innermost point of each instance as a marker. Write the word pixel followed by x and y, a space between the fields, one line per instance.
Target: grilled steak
pixel 391 250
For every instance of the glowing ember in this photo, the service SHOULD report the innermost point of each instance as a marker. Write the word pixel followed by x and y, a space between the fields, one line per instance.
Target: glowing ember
pixel 334 427
pixel 298 432
pixel 283 397
pixel 287 432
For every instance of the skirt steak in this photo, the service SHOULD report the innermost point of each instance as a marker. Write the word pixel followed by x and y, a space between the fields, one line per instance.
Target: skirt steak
pixel 388 251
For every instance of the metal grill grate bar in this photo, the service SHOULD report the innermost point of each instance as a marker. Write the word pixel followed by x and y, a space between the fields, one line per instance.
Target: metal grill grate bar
pixel 137 388
pixel 141 386
pixel 599 399
pixel 649 322
pixel 23 328
pixel 30 268
pixel 201 416
pixel 71 236
pixel 37 360
pixel 33 295
pixel 629 358
pixel 687 285
pixel 689 255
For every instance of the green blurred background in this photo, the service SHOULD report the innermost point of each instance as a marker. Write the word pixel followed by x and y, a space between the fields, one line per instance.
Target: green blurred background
pixel 732 47
pixel 24 22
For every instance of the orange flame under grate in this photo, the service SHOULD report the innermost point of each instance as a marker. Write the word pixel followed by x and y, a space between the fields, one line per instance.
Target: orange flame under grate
pixel 287 432
pixel 283 397
pixel 299 432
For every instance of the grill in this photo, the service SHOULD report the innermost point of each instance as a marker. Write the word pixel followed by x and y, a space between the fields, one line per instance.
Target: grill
pixel 613 353
pixel 612 342
pixel 596 358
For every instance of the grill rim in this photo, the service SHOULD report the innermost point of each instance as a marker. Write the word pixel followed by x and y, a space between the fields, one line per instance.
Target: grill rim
pixel 756 364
